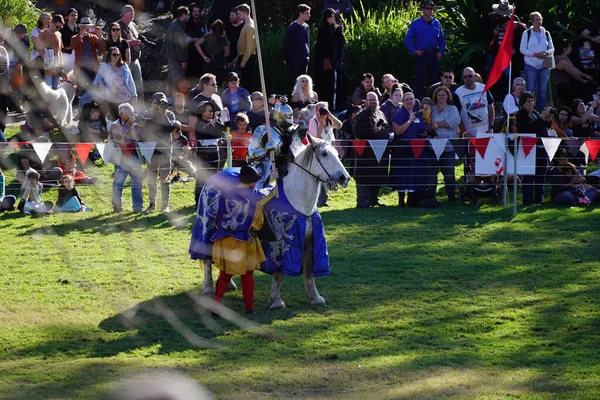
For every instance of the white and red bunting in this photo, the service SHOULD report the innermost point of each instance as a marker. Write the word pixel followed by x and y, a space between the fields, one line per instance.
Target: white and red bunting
pixel 438 146
pixel 551 145
pixel 147 149
pixel 378 146
pixel 42 149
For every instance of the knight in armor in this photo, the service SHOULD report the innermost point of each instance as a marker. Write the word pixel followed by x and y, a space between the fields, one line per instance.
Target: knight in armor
pixel 259 150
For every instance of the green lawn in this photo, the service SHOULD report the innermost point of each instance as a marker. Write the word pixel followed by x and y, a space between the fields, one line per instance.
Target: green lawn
pixel 455 302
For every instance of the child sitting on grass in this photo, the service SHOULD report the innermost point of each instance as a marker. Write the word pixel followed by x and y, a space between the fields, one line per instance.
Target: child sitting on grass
pixel 31 196
pixel 68 197
pixel 240 140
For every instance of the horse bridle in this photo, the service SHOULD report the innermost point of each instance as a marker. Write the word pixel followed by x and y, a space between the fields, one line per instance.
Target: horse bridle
pixel 317 177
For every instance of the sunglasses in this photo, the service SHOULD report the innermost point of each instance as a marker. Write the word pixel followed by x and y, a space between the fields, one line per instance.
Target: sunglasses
pixel 447 77
pixel 467 76
pixel 115 55
pixel 115 29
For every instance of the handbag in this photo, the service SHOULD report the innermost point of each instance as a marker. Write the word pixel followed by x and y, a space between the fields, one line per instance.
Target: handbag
pixel 327 64
pixel 548 62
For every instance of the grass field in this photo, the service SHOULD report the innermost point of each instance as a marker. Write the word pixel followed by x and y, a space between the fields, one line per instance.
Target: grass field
pixel 456 302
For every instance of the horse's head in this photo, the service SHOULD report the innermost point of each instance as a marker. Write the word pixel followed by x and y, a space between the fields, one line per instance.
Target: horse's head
pixel 324 162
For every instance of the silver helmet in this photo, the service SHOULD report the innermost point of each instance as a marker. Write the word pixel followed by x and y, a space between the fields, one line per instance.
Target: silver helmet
pixel 283 114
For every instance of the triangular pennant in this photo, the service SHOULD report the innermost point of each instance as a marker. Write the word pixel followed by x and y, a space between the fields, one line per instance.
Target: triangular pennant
pixel 83 151
pixel 147 149
pixel 510 145
pixel 359 146
pixel 417 146
pixel 481 145
pixel 574 145
pixel 378 146
pixel 593 146
pixel 528 143
pixel 585 151
pixel 438 146
pixel 500 141
pixel 100 147
pixel 42 149
pixel 551 145
pixel 340 148
pixel 460 147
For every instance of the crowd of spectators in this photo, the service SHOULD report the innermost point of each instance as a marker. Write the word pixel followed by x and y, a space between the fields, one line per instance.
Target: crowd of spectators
pixel 188 122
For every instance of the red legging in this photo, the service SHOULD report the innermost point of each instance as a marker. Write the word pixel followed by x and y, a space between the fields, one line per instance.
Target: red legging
pixel 247 288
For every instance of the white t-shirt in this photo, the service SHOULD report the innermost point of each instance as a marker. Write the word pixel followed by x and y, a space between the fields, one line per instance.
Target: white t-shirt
pixel 473 113
pixel 35 33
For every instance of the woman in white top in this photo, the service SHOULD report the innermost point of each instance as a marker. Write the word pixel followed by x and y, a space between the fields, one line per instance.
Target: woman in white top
pixel 323 123
pixel 536 45
pixel 511 102
pixel 322 126
pixel 42 23
pixel 115 82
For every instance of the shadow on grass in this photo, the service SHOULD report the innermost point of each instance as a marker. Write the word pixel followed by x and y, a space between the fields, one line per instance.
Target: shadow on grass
pixel 109 222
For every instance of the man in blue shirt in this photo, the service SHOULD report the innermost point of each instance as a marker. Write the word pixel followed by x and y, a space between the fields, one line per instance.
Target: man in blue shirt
pixel 296 46
pixel 425 39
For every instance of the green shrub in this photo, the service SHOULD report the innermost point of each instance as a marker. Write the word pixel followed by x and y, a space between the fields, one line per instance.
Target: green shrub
pixel 13 12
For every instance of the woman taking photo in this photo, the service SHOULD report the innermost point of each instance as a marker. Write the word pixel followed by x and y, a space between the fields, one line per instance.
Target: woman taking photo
pixel 115 82
pixel 582 120
pixel 303 94
pixel 116 40
pixel 407 173
pixel 569 81
pixel 531 121
pixel 216 49
pixel 444 122
pixel 538 49
pixel 329 60
pixel 511 103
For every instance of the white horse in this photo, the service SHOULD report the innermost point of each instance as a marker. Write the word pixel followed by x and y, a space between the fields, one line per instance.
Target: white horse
pixel 312 165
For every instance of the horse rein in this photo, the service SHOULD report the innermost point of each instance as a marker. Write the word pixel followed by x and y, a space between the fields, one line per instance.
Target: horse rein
pixel 317 177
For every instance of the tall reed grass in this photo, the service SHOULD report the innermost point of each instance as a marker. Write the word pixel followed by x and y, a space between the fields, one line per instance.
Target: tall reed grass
pixel 375 42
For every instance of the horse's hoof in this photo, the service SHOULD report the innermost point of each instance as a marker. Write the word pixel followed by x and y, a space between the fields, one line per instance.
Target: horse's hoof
pixel 208 291
pixel 277 305
pixel 318 301
pixel 232 287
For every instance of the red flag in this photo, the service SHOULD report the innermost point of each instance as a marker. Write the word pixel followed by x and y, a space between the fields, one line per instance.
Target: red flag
pixel 504 55
pixel 359 146
pixel 481 145
pixel 593 147
pixel 418 145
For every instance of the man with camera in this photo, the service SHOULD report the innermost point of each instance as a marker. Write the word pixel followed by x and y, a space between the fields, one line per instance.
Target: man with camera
pixel 87 45
pixel 124 133
pixel 370 174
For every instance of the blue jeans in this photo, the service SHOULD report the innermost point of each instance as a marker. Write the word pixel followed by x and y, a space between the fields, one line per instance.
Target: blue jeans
pixel 537 81
pixel 134 171
pixel 52 81
pixel 446 165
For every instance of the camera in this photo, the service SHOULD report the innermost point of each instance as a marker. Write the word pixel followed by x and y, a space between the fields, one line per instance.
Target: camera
pixel 323 111
pixel 147 42
pixel 553 111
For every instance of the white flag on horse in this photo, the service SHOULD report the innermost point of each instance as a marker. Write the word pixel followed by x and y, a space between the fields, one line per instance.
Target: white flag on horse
pixel 42 149
pixel 551 145
pixel 378 146
pixel 147 149
pixel 438 146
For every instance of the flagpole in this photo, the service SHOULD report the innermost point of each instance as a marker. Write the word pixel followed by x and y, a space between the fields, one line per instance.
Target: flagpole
pixel 505 194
